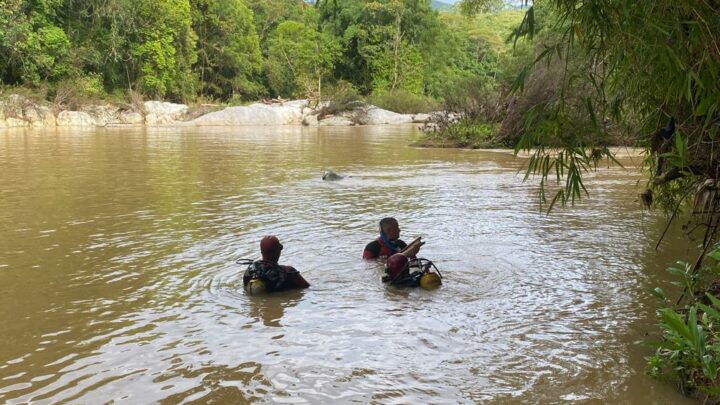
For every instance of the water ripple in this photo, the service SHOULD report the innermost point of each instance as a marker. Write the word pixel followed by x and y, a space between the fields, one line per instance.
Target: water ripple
pixel 120 283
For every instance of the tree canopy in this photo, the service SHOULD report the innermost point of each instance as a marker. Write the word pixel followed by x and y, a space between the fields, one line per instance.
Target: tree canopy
pixel 239 49
pixel 649 70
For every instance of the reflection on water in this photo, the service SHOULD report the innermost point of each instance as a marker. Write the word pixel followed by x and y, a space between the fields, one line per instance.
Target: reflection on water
pixel 118 279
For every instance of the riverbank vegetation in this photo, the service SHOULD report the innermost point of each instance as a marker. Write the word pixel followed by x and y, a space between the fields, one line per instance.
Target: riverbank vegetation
pixel 689 351
pixel 646 73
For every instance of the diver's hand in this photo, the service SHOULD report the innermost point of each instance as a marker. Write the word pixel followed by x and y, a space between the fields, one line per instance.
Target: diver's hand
pixel 413 248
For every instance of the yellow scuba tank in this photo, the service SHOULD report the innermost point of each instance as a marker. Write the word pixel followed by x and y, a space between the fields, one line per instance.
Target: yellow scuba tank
pixel 255 286
pixel 430 281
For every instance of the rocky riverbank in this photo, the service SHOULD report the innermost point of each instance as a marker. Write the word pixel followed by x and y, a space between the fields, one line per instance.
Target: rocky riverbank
pixel 19 112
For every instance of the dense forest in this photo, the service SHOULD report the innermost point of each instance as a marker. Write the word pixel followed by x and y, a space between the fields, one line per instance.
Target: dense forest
pixel 241 50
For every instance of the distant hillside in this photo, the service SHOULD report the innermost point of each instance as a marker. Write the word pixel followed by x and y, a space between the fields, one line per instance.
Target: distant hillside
pixel 441 5
pixel 495 28
pixel 492 28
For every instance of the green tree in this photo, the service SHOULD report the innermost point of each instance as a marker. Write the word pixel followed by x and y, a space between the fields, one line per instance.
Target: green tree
pixel 229 58
pixel 384 41
pixel 32 46
pixel 164 46
pixel 101 33
pixel 270 13
pixel 299 59
pixel 629 65
pixel 136 44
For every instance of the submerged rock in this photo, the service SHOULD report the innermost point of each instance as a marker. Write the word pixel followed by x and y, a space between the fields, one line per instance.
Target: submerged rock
pixel 332 176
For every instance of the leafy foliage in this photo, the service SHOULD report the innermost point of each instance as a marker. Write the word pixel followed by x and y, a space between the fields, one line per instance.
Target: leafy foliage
pixel 404 102
pixel 299 59
pixel 246 49
pixel 690 349
pixel 229 58
pixel 383 41
pixel 34 48
pixel 623 64
pixel 268 14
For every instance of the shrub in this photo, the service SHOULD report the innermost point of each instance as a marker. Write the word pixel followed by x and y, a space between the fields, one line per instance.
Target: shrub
pixel 471 117
pixel 452 131
pixel 36 94
pixel 690 348
pixel 339 98
pixel 404 102
pixel 77 91
pixel 137 101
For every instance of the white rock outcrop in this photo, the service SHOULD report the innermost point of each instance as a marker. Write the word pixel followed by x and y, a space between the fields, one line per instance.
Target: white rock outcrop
pixel 163 113
pixel 311 120
pixel 130 118
pixel 15 122
pixel 376 116
pixel 420 118
pixel 75 119
pixel 336 121
pixel 288 113
pixel 39 117
pixel 103 114
pixel 17 111
pixel 14 105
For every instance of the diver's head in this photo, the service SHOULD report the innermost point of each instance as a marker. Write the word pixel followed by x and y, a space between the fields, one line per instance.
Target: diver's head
pixel 270 248
pixel 390 227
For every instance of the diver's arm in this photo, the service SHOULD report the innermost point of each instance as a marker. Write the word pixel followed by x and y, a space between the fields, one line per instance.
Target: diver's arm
pixel 413 248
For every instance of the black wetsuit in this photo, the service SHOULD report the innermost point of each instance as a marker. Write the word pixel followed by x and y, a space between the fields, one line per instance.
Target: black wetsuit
pixel 378 249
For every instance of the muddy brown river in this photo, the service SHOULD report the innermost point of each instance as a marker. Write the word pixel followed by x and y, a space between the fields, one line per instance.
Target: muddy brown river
pixel 118 281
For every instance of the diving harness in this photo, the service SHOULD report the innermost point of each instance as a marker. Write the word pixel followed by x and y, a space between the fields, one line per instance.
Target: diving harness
pixel 420 274
pixel 261 278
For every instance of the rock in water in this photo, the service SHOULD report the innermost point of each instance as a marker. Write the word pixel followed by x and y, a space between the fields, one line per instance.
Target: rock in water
pixel 331 176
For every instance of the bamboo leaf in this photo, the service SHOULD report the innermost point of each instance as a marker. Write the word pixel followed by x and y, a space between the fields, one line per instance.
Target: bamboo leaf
pixel 703 106
pixel 560 195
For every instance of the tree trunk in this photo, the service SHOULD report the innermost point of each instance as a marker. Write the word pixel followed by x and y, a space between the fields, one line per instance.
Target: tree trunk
pixel 396 51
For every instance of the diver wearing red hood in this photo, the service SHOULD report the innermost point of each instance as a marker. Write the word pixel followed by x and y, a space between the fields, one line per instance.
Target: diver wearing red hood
pixel 275 276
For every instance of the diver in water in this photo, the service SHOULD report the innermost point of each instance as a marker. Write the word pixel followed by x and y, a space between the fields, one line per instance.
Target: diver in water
pixel 274 276
pixel 389 242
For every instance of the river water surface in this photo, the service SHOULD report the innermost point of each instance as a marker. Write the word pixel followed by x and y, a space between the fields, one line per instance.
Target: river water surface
pixel 118 282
